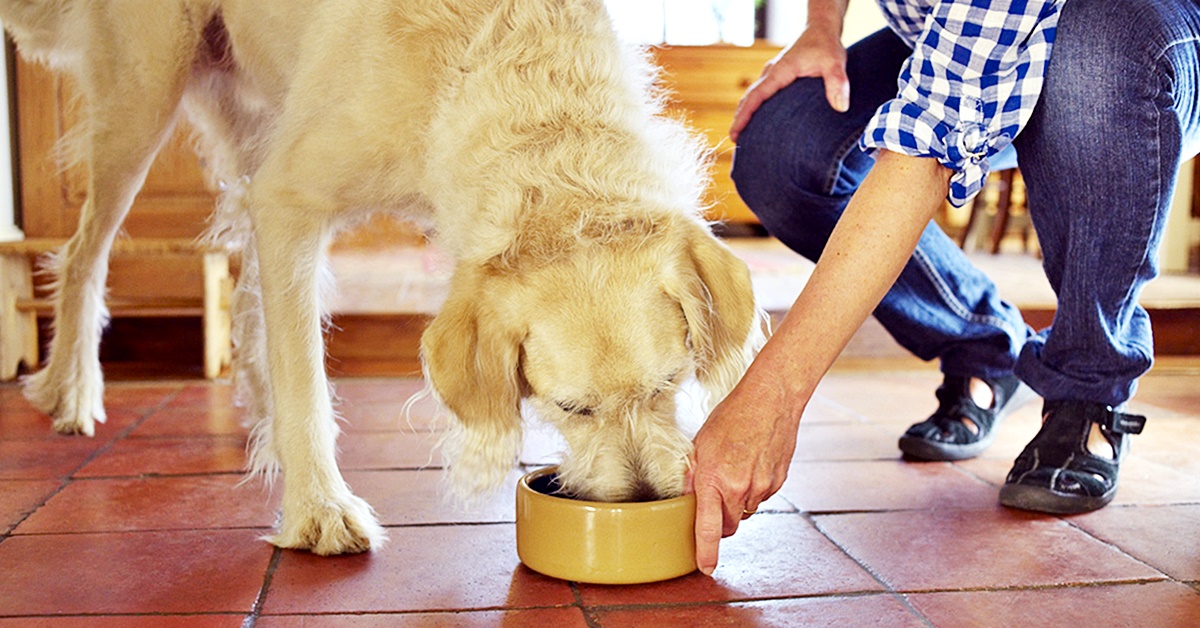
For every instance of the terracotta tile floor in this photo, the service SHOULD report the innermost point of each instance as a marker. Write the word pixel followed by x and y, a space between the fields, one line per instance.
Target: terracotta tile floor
pixel 147 524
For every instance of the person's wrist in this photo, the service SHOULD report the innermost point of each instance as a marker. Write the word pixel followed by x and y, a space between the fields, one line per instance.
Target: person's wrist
pixel 785 400
pixel 828 15
pixel 824 23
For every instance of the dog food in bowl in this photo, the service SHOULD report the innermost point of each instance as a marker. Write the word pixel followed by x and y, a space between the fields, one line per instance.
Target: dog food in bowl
pixel 600 542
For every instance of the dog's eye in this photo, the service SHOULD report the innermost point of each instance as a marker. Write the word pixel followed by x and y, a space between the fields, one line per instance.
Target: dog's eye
pixel 573 409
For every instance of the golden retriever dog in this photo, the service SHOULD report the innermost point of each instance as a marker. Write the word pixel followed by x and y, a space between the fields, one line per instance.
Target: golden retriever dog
pixel 521 133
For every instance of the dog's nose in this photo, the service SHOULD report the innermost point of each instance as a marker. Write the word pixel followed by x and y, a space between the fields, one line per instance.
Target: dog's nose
pixel 644 491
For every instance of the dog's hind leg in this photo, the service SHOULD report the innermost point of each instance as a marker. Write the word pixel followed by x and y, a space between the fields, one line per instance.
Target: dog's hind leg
pixel 320 513
pixel 132 106
pixel 251 378
pixel 229 132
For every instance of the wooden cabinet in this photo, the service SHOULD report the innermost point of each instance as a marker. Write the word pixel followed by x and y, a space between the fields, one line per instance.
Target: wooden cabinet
pixel 706 83
pixel 175 201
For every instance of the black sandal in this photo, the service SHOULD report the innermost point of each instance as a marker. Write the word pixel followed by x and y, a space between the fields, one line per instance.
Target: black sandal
pixel 1057 473
pixel 945 436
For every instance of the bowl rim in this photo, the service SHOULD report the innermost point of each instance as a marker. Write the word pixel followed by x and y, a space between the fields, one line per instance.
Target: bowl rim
pixel 524 486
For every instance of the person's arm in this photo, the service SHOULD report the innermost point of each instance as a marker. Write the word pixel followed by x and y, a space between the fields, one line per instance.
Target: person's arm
pixel 817 52
pixel 743 450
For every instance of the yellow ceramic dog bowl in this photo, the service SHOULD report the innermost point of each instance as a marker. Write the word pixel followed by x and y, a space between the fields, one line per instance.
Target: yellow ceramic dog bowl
pixel 599 542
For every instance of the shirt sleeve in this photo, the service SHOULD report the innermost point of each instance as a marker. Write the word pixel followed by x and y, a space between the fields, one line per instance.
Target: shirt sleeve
pixel 969 87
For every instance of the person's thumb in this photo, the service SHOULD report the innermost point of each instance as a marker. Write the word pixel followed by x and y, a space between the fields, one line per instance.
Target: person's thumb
pixel 837 89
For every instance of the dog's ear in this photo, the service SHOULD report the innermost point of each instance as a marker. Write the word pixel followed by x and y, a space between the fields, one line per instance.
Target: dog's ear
pixel 725 328
pixel 471 357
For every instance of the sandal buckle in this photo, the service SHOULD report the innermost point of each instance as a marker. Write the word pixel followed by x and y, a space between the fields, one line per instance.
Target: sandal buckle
pixel 1120 422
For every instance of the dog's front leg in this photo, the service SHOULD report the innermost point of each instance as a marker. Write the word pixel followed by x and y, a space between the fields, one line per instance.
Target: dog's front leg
pixel 319 511
pixel 130 114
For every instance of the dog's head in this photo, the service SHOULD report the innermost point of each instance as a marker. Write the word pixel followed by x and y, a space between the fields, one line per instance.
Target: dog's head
pixel 596 333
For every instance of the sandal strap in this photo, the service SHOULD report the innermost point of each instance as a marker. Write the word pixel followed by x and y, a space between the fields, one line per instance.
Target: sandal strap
pixel 1062 441
pixel 955 403
pixel 1108 419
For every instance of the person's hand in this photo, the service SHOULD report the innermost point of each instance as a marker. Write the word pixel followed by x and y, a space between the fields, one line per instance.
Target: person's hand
pixel 741 458
pixel 818 52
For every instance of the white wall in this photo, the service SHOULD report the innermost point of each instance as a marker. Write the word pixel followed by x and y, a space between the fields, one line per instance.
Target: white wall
pixel 786 19
pixel 705 22
pixel 8 230
pixel 684 22
pixel 1182 231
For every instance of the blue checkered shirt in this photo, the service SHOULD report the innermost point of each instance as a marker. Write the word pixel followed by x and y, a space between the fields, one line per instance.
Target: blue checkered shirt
pixel 971 83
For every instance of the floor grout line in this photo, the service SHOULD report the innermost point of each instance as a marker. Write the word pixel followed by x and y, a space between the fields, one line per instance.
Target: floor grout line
pixel 261 599
pixel 67 479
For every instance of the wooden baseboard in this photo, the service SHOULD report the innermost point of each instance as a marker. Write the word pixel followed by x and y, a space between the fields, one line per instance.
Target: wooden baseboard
pixel 364 345
pixel 376 345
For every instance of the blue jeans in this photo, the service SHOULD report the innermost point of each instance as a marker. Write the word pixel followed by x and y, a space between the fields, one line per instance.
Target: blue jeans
pixel 1118 114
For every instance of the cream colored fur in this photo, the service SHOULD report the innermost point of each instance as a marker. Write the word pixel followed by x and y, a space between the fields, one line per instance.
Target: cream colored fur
pixel 521 132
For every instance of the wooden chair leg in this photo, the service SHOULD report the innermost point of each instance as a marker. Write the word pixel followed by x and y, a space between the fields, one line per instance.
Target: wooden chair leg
pixel 218 321
pixel 971 218
pixel 1003 208
pixel 18 328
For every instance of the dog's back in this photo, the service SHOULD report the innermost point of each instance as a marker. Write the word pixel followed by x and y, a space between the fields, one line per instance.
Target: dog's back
pixel 383 77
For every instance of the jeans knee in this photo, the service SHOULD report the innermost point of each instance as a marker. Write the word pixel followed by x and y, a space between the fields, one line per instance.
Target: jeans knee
pixel 785 153
pixel 762 174
pixel 756 169
pixel 1101 44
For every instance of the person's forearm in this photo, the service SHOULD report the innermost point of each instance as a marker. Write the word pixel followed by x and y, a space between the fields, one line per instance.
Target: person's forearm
pixel 828 15
pixel 866 252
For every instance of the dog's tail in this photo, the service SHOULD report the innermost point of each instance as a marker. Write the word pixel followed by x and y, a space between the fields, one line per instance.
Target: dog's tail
pixel 42 28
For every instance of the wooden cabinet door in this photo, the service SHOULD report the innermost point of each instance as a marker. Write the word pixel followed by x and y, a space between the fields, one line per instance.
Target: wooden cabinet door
pixel 706 83
pixel 175 201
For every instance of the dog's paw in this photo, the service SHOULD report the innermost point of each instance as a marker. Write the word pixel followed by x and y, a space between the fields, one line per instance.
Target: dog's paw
pixel 75 404
pixel 343 524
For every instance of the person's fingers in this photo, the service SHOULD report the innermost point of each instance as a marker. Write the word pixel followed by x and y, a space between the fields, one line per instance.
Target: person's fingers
pixel 766 86
pixel 762 487
pixel 689 477
pixel 755 496
pixel 745 108
pixel 837 88
pixel 710 516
